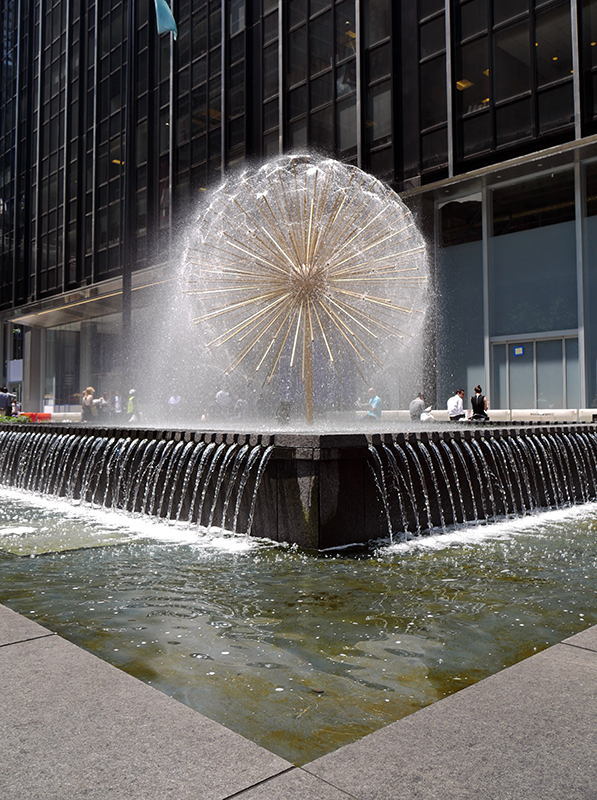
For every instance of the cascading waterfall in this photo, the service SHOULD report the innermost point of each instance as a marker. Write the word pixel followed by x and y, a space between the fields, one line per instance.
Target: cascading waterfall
pixel 426 484
pixel 175 480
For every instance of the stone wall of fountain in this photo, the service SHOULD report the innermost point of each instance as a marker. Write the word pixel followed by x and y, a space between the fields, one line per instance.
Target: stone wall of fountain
pixel 318 491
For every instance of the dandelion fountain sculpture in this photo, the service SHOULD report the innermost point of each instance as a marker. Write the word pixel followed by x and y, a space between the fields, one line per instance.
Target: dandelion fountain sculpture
pixel 305 260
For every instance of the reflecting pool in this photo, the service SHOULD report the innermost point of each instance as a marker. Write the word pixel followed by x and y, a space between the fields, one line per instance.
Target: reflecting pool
pixel 299 652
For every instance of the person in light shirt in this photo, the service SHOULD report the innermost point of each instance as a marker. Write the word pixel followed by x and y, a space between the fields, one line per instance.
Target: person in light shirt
pixel 456 406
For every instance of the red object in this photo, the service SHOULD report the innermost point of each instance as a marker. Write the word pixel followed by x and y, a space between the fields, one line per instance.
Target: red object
pixel 36 416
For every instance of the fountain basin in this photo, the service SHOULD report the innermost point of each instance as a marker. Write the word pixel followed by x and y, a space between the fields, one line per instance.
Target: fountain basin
pixel 318 491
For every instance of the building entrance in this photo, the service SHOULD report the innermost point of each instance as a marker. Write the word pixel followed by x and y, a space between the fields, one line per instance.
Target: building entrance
pixel 535 373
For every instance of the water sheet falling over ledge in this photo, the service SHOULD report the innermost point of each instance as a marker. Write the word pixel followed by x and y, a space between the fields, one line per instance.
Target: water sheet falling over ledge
pixel 316 490
pixel 431 482
pixel 205 480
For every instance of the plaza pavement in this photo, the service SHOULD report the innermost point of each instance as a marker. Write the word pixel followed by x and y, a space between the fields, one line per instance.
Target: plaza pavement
pixel 74 727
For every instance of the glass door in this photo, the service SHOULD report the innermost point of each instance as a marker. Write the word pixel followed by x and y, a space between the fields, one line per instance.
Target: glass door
pixel 535 373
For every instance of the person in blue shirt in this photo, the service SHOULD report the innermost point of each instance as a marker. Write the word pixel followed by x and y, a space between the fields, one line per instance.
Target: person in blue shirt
pixel 373 405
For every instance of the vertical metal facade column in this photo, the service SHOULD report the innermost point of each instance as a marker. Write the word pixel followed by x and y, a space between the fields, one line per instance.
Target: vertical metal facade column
pixel 67 116
pixel 359 80
pixel 281 103
pixel 17 136
pixel 576 74
pixel 579 214
pixel 128 197
pixel 449 83
pixel 487 216
pixel 225 16
pixel 96 61
pixel 32 263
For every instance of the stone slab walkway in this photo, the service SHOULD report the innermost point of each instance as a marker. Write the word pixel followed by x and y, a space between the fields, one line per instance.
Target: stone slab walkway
pixel 73 727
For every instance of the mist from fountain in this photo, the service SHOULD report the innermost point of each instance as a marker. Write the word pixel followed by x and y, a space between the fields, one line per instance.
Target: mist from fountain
pixel 307 281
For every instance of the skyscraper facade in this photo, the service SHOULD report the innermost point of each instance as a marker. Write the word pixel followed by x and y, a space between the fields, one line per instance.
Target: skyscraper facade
pixel 481 113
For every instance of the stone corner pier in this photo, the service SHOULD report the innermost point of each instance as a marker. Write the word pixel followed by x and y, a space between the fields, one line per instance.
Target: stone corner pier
pixel 318 491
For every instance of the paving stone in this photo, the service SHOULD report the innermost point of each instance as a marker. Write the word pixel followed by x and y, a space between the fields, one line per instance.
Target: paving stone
pixel 15 628
pixel 72 726
pixel 528 732
pixel 294 785
pixel 586 639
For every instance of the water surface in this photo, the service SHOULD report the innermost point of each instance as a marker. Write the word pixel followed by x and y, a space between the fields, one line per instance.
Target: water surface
pixel 299 652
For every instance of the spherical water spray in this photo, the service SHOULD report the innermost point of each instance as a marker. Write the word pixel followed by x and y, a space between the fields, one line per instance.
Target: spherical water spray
pixel 305 260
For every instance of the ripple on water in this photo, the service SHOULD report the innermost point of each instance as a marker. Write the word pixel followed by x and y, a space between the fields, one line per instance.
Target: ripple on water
pixel 300 653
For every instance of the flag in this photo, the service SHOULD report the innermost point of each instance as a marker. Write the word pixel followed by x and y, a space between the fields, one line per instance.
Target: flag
pixel 164 18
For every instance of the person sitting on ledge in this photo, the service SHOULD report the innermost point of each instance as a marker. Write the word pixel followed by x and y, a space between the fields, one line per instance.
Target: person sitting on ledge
pixel 456 406
pixel 417 406
pixel 373 405
pixel 479 405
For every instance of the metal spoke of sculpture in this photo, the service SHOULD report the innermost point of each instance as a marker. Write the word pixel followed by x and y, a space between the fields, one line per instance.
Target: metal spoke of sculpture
pixel 304 254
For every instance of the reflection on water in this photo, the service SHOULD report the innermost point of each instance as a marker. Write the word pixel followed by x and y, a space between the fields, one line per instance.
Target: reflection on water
pixel 298 652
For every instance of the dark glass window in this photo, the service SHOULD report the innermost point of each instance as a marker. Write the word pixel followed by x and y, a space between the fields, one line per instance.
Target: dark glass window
pixel 379 123
pixel 345 30
pixel 199 71
pixel 461 222
pixel 377 21
pixel 556 107
pixel 184 81
pixel 270 114
pixel 476 134
pixel 591 183
pixel 346 115
pixel 513 122
pixel 504 10
pixel 199 110
pixel 199 149
pixel 589 33
pixel 270 27
pixel 297 12
pixel 215 61
pixel 433 37
pixel 183 123
pixel 199 31
pixel 434 149
pixel 319 5
pixel 236 132
pixel 237 16
pixel 297 56
pixel 379 62
pixel 322 128
pixel 589 54
pixel 512 61
pixel 346 78
pixel 271 144
pixel 433 92
pixel 473 18
pixel 270 70
pixel 237 47
pixel 553 45
pixel 298 102
pixel 534 204
pixel 298 134
pixel 322 90
pixel 215 142
pixel 428 7
pixel 321 43
pixel 237 89
pixel 381 162
pixel 215 23
pixel 472 76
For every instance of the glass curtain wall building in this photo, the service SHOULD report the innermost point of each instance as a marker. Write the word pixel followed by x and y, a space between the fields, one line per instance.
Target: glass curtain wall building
pixel 504 168
pixel 482 113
